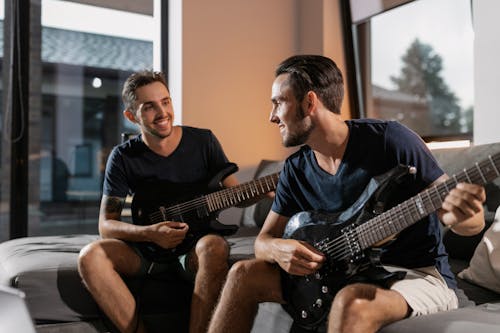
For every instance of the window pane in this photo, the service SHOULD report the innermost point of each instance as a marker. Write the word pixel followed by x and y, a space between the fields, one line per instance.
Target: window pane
pixel 83 66
pixel 422 67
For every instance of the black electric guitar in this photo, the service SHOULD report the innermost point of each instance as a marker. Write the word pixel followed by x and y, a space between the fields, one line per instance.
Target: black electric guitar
pixel 196 204
pixel 349 239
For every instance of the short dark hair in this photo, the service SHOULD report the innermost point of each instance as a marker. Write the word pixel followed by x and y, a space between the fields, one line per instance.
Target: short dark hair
pixel 314 73
pixel 137 80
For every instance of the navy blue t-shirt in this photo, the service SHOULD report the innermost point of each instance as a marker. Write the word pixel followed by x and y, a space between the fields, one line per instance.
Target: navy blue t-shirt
pixel 198 157
pixel 374 147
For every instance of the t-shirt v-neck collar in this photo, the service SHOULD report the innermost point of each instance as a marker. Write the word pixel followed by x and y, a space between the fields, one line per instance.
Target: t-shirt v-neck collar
pixel 153 156
pixel 342 164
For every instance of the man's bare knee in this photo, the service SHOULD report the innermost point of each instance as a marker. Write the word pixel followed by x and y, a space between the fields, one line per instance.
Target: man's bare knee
pixel 257 280
pixel 108 254
pixel 90 256
pixel 353 295
pixel 212 246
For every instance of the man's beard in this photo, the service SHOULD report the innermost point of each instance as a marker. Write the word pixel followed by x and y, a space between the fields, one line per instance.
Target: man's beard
pixel 301 133
pixel 157 134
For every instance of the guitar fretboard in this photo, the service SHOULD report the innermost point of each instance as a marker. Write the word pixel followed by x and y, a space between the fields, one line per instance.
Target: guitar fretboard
pixel 412 210
pixel 234 195
pixel 215 201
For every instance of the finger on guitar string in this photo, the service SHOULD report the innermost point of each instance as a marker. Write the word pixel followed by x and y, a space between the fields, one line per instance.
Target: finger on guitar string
pixel 177 225
pixel 462 202
pixel 168 234
pixel 297 257
pixel 312 254
pixel 477 191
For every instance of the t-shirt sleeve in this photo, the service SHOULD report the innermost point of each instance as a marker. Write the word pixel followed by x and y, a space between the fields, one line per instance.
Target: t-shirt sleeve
pixel 216 157
pixel 115 180
pixel 409 149
pixel 283 203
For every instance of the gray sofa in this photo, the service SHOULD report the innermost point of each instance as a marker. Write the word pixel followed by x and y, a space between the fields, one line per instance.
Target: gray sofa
pixel 45 269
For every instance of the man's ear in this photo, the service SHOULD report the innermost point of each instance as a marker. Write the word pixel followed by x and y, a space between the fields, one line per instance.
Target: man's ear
pixel 311 102
pixel 127 113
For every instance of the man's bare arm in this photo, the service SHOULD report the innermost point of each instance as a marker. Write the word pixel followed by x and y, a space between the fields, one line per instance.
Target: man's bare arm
pixel 462 209
pixel 295 257
pixel 167 234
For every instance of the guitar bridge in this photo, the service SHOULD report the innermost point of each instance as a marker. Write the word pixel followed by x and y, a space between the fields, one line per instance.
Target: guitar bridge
pixel 352 246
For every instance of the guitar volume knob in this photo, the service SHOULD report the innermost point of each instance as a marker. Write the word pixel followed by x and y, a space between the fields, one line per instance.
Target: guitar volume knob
pixel 318 303
pixel 324 289
pixel 304 314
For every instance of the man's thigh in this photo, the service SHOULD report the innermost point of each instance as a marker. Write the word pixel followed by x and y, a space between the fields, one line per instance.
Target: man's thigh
pixel 123 257
pixel 425 291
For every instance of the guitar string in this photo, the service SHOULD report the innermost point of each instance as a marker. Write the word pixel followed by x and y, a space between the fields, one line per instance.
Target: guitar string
pixel 227 195
pixel 335 251
pixel 341 249
pixel 374 228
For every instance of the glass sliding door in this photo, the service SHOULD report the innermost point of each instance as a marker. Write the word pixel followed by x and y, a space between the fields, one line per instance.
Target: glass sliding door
pixel 86 54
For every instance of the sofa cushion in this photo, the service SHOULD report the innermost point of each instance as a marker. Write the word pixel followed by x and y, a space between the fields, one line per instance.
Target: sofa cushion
pixel 484 318
pixel 454 160
pixel 45 269
pixel 484 269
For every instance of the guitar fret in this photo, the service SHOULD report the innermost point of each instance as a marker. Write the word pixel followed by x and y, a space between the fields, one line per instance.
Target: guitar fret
pixel 436 189
pixel 396 217
pixel 446 187
pixel 430 199
pixel 467 175
pixel 401 217
pixel 493 164
pixel 414 209
pixel 481 174
pixel 419 205
pixel 367 236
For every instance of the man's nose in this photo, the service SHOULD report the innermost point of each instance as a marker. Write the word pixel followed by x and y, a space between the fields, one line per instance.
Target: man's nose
pixel 273 117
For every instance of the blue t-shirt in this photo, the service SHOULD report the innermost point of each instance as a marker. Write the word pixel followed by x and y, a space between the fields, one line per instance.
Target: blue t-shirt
pixel 374 147
pixel 197 158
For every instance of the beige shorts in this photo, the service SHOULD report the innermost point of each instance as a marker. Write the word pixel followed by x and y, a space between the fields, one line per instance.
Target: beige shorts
pixel 425 290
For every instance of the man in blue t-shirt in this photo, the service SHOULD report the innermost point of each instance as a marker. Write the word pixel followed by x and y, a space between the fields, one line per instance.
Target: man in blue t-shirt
pixel 329 174
pixel 176 158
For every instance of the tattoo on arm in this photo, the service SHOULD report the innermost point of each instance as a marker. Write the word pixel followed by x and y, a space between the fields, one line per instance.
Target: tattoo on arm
pixel 112 205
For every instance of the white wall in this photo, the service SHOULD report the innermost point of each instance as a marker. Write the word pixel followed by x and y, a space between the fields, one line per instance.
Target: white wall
pixel 230 49
pixel 486 71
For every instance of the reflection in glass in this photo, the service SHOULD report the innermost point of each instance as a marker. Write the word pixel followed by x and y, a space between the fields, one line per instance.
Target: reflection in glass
pixel 83 70
pixel 418 72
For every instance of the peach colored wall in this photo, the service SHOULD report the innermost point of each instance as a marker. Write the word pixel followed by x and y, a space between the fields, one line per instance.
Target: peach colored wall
pixel 230 49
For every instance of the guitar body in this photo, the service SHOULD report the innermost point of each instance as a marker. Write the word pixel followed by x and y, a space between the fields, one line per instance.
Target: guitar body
pixel 309 297
pixel 163 201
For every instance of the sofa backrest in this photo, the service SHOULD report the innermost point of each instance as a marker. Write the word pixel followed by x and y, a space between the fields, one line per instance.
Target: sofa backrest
pixel 454 160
